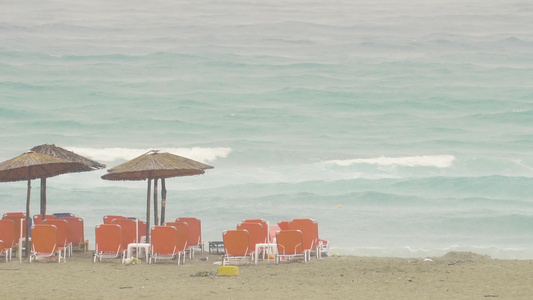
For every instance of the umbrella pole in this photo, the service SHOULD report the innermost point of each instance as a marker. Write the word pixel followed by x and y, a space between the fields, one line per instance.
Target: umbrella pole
pixel 43 197
pixel 163 200
pixel 148 211
pixel 156 211
pixel 28 216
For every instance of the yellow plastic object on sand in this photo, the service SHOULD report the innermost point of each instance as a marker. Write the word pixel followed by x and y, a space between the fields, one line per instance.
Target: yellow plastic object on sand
pixel 228 271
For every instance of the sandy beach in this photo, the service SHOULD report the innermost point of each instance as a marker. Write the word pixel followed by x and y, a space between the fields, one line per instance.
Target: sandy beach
pixel 456 275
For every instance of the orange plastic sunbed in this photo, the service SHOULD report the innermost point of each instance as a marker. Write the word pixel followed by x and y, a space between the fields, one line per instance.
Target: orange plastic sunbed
pixel 75 233
pixel 108 242
pixel 290 245
pixel 236 246
pixel 163 243
pixel 62 232
pixel 7 236
pixel 310 238
pixel 194 234
pixel 129 230
pixel 44 242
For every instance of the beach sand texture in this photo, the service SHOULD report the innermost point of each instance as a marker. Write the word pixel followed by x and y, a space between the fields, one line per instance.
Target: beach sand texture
pixel 456 275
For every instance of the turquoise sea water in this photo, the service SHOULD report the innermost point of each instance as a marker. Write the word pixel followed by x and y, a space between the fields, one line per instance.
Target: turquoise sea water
pixel 404 128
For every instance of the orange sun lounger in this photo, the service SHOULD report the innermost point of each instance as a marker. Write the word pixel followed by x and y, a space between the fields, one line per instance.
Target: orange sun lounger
pixel 62 232
pixel 75 234
pixel 290 244
pixel 163 243
pixel 44 242
pixel 194 234
pixel 236 246
pixel 108 242
pixel 7 236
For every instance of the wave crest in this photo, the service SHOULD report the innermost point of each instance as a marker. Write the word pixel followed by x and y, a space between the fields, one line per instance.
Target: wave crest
pixel 111 154
pixel 438 161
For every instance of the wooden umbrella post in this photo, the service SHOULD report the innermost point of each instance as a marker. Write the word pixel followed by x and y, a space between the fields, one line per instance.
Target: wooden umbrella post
pixel 163 200
pixel 43 197
pixel 148 211
pixel 27 252
pixel 156 210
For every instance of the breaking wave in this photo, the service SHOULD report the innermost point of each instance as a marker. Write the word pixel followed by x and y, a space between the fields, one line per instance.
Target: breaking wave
pixel 438 161
pixel 113 154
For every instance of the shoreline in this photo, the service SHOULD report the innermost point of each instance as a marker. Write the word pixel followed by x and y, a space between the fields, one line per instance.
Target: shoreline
pixel 456 275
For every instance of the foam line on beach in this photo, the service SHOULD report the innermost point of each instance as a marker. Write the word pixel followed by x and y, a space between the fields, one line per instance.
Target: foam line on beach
pixel 113 154
pixel 438 161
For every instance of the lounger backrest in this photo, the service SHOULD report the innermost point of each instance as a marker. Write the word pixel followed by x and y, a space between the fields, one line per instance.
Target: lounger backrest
pixel 290 242
pixel 272 230
pixel 62 230
pixel 38 219
pixel 264 225
pixel 283 225
pixel 44 238
pixel 75 230
pixel 236 242
pixel 14 214
pixel 7 232
pixel 129 230
pixel 183 234
pixel 108 238
pixel 255 232
pixel 109 218
pixel 195 230
pixel 20 225
pixel 307 227
pixel 163 239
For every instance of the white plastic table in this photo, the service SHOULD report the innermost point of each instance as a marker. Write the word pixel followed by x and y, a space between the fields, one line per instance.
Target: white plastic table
pixel 268 247
pixel 145 246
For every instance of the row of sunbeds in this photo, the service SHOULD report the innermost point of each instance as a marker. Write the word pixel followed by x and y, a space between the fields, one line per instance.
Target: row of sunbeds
pixel 59 234
pixel 117 235
pixel 287 240
pixel 56 234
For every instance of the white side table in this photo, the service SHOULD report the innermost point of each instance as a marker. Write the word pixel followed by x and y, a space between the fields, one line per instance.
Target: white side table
pixel 268 247
pixel 145 246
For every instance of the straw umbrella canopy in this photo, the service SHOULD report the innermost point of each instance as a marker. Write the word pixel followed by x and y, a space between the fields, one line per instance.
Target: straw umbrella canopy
pixel 31 165
pixel 154 165
pixel 58 152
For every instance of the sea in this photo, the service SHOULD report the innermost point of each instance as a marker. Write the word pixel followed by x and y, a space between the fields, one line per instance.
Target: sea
pixel 404 128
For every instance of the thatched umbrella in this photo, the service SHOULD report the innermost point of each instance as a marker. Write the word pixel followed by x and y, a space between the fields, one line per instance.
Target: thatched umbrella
pixel 155 165
pixel 32 165
pixel 58 152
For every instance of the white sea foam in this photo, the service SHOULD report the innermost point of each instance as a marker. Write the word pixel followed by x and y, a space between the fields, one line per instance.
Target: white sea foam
pixel 113 154
pixel 438 161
